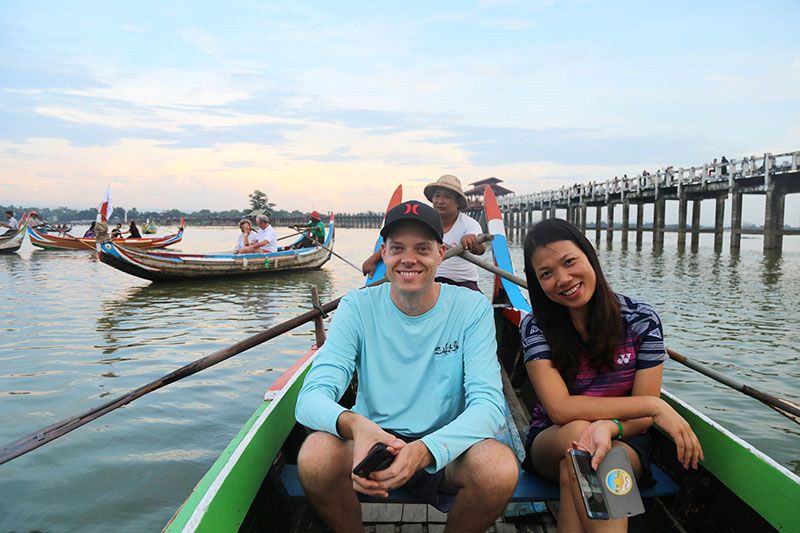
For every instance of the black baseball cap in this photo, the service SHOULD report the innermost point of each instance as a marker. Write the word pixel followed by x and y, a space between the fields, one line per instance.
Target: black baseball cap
pixel 414 211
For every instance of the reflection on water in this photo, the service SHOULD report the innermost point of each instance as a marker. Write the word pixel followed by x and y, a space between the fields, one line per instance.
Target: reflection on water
pixel 75 331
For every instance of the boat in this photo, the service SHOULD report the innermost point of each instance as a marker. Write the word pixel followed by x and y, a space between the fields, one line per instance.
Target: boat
pixel 253 485
pixel 149 228
pixel 166 266
pixel 11 242
pixel 69 242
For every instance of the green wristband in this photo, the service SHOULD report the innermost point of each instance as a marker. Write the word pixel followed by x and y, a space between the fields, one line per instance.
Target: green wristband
pixel 619 428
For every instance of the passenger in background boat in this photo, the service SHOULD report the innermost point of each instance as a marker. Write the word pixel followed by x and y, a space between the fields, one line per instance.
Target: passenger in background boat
pixel 429 388
pixel 134 231
pixel 116 233
pixel 11 223
pixel 266 240
pixel 596 360
pixel 449 201
pixel 313 232
pixel 246 238
pixel 90 233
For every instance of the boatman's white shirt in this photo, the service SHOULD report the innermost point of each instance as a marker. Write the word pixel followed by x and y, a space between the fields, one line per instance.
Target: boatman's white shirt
pixel 268 234
pixel 12 223
pixel 455 268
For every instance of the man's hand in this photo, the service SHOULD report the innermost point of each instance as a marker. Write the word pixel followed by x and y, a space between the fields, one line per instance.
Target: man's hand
pixel 365 435
pixel 369 266
pixel 411 458
pixel 471 244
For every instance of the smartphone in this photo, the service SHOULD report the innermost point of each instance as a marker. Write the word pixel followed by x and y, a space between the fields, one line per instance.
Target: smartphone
pixel 378 458
pixel 591 489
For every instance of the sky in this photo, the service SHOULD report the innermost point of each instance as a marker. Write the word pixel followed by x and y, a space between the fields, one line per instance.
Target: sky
pixel 330 105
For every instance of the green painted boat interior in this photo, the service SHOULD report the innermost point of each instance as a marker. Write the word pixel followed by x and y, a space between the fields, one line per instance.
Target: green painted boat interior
pixel 228 507
pixel 773 492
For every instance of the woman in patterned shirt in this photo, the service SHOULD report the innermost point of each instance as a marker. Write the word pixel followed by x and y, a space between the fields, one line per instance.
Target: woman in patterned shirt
pixel 595 359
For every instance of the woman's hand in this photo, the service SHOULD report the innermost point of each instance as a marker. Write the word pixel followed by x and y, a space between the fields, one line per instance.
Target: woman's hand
pixel 689 449
pixel 596 439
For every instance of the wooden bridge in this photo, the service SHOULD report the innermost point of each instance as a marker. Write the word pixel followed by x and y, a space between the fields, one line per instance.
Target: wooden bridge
pixel 773 176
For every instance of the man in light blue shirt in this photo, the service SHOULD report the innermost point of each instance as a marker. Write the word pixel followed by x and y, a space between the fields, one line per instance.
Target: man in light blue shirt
pixel 429 388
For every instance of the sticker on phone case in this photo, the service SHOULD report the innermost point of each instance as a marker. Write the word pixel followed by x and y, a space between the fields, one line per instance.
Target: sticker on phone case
pixel 619 482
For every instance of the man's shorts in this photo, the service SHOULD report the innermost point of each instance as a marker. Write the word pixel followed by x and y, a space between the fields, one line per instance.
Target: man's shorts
pixel 426 486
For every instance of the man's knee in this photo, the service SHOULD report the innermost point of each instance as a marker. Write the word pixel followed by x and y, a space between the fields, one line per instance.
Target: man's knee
pixel 491 464
pixel 322 456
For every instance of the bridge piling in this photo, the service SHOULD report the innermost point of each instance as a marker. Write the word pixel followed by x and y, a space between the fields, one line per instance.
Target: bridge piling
pixel 626 205
pixel 597 216
pixel 696 205
pixel 682 205
pixel 773 218
pixel 659 212
pixel 610 223
pixel 736 220
pixel 639 223
pixel 719 220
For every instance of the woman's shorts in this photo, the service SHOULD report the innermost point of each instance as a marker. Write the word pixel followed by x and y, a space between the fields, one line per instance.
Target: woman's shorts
pixel 642 444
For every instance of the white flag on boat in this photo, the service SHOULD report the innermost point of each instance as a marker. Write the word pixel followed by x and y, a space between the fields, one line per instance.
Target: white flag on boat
pixel 105 209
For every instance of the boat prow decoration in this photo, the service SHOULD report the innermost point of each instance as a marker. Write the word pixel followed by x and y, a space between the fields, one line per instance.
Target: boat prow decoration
pixel 12 241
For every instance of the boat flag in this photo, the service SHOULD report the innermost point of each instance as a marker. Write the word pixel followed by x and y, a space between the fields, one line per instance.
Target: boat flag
pixel 105 209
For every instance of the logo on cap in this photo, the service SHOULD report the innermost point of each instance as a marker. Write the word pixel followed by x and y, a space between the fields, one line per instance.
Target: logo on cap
pixel 412 208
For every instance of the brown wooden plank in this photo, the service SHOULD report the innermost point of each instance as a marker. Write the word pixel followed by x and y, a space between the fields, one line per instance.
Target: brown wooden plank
pixel 415 512
pixel 436 516
pixel 381 512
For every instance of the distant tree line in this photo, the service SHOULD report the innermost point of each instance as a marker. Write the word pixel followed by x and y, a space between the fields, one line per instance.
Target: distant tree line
pixel 66 214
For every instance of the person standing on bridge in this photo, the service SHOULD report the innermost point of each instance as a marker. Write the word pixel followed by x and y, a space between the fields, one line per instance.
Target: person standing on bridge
pixel 449 201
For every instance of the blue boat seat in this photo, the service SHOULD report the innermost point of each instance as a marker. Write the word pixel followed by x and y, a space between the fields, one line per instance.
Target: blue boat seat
pixel 531 488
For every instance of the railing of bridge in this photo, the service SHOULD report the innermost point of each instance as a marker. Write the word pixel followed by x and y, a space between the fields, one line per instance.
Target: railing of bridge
pixel 645 183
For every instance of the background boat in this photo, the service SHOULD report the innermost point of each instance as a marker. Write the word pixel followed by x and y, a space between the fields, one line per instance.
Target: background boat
pixel 253 485
pixel 68 242
pixel 11 242
pixel 149 228
pixel 165 266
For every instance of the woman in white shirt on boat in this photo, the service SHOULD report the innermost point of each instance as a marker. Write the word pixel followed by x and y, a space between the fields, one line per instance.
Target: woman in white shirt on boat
pixel 246 238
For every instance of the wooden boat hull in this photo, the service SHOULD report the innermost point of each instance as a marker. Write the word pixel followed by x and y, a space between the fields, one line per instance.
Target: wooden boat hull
pixel 12 242
pixel 165 266
pixel 736 488
pixel 54 242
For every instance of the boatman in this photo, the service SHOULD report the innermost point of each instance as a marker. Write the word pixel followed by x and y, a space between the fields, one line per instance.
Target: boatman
pixel 429 389
pixel 266 239
pixel 314 231
pixel 449 201
pixel 11 223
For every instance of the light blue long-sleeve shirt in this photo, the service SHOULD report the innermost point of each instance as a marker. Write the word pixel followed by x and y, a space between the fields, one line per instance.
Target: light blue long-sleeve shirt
pixel 433 376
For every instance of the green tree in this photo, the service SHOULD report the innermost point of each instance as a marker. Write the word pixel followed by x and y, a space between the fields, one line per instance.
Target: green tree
pixel 260 202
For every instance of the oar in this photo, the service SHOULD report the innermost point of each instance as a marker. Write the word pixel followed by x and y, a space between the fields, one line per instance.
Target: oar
pixel 784 407
pixel 788 409
pixel 290 235
pixel 42 436
pixel 337 255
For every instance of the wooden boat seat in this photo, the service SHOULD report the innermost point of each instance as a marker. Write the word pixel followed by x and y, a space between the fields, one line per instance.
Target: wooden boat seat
pixel 531 488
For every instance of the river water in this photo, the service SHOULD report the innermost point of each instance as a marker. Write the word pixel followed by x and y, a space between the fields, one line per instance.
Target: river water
pixel 75 331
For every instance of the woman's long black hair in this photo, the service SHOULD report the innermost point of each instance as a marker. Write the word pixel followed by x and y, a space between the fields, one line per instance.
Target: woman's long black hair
pixel 604 323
